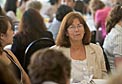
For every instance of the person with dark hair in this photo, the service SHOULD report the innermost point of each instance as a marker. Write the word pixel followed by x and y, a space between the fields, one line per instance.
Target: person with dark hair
pixel 10 8
pixel 49 66
pixel 6 38
pixel 61 12
pixel 32 27
pixel 11 5
pixel 69 3
pixel 81 7
pixel 112 44
pixel 53 2
pixel 21 9
pixel 50 12
pixel 73 40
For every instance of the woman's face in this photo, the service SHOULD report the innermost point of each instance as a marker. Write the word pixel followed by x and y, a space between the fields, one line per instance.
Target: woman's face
pixel 75 31
pixel 8 37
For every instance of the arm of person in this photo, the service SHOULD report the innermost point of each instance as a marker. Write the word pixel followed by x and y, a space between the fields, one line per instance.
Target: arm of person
pixel 118 61
pixel 26 78
pixel 118 51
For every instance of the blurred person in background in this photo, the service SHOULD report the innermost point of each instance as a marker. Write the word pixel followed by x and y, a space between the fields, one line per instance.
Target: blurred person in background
pixel 115 78
pixel 50 12
pixel 31 27
pixel 55 25
pixel 49 66
pixel 70 3
pixel 11 8
pixel 100 12
pixel 80 6
pixel 21 8
pixel 37 5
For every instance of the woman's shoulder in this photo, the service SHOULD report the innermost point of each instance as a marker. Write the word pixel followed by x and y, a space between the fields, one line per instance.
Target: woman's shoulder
pixel 96 47
pixel 58 47
pixel 66 51
pixel 10 53
pixel 63 49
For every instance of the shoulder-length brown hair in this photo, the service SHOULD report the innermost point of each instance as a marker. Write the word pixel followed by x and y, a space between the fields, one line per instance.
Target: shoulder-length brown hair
pixel 3 26
pixel 31 26
pixel 62 39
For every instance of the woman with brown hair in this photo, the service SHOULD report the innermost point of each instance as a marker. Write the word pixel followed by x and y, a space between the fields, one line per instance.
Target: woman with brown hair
pixel 6 38
pixel 74 41
pixel 31 27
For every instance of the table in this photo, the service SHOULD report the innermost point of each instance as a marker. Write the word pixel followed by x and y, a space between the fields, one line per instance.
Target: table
pixel 97 81
pixel 100 81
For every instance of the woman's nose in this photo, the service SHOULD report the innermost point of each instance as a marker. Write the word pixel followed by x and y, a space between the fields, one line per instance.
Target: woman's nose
pixel 76 29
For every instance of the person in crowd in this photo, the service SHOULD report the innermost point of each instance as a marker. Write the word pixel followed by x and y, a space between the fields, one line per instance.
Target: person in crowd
pixel 50 12
pixel 34 4
pixel 81 7
pixel 94 5
pixel 32 27
pixel 6 38
pixel 61 12
pixel 112 44
pixel 49 66
pixel 7 77
pixel 73 40
pixel 10 8
pixel 70 3
pixel 100 13
pixel 21 9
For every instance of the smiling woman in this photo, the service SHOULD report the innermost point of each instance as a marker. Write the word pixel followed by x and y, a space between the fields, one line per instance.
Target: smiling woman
pixel 74 40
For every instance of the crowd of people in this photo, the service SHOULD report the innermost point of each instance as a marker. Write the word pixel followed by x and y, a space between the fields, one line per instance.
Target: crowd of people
pixel 78 47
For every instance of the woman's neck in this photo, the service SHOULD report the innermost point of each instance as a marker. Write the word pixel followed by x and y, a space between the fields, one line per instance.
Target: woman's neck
pixel 76 45
pixel 78 52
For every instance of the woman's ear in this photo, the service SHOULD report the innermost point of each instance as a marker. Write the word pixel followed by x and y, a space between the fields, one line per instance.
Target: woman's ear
pixel 2 36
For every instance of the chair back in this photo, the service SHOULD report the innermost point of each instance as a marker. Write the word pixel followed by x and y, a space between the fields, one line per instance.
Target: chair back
pixel 34 46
